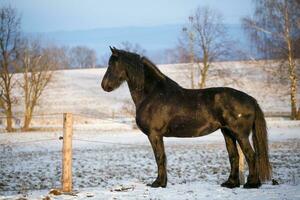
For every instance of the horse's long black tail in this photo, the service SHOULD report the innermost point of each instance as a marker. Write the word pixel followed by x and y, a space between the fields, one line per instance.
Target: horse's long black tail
pixel 260 143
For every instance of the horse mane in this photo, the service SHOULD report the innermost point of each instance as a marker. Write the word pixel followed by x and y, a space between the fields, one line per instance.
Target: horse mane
pixel 138 63
pixel 153 68
pixel 135 67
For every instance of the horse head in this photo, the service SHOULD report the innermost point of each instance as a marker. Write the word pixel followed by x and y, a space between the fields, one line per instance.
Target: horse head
pixel 116 72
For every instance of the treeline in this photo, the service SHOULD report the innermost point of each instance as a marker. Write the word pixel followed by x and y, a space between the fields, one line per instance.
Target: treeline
pixel 79 57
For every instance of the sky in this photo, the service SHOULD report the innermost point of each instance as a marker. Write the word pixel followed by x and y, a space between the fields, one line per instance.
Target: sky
pixel 69 15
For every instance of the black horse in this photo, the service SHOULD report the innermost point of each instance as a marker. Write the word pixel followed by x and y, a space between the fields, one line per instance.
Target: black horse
pixel 165 109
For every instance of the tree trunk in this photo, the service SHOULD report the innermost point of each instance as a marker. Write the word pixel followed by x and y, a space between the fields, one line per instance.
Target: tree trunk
pixel 9 119
pixel 203 79
pixel 29 107
pixel 27 120
pixel 292 65
pixel 192 57
pixel 203 71
pixel 293 91
pixel 202 83
pixel 192 76
pixel 298 114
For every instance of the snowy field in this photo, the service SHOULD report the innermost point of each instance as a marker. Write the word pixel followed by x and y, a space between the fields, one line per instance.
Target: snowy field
pixel 105 162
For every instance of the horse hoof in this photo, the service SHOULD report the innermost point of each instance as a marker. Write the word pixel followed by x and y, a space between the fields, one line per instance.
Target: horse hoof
pixel 230 184
pixel 252 185
pixel 156 184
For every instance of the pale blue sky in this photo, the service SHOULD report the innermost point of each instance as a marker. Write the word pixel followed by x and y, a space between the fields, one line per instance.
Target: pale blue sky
pixel 54 15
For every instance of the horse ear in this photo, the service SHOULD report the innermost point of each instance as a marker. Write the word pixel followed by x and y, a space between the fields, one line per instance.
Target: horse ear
pixel 113 50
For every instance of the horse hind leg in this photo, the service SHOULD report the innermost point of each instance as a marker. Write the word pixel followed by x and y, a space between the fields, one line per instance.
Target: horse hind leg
pixel 253 177
pixel 233 180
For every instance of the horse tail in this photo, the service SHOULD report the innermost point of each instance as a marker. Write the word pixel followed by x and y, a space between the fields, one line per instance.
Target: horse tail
pixel 260 143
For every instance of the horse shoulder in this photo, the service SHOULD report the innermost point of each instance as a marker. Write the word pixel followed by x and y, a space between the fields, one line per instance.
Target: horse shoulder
pixel 153 113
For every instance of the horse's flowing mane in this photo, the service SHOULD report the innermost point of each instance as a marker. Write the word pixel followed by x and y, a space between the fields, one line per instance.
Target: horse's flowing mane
pixel 142 72
pixel 139 67
pixel 153 68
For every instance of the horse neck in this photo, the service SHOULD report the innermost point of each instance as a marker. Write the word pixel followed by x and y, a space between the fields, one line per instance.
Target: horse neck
pixel 140 92
pixel 137 94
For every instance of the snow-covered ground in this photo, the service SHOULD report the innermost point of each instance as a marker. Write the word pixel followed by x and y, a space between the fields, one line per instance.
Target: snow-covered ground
pixel 105 161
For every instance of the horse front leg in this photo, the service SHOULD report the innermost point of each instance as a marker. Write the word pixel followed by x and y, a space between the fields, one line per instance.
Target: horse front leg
pixel 157 144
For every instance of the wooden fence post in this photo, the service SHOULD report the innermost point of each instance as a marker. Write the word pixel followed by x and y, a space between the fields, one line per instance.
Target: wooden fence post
pixel 67 153
pixel 241 165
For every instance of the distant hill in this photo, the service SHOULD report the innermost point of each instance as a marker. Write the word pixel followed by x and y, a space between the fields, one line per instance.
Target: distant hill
pixel 155 39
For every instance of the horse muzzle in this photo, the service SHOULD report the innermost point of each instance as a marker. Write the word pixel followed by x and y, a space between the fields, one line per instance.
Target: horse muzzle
pixel 106 86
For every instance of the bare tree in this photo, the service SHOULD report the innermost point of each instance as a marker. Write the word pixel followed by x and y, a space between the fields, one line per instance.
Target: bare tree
pixel 9 51
pixel 83 57
pixel 207 38
pixel 38 64
pixel 191 38
pixel 275 29
pixel 135 48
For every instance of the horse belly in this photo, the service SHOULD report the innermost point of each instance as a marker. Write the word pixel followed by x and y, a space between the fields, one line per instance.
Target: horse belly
pixel 190 128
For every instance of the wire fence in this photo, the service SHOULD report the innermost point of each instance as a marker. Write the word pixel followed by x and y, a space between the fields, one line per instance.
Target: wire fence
pixel 109 142
pixel 19 116
pixel 53 122
pixel 75 139
pixel 28 142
